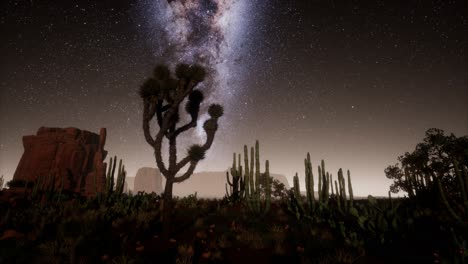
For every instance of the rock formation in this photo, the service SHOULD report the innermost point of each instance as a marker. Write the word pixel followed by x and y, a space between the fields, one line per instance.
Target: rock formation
pixel 148 180
pixel 69 158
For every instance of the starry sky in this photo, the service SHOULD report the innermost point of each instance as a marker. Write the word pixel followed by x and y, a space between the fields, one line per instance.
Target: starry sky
pixel 356 83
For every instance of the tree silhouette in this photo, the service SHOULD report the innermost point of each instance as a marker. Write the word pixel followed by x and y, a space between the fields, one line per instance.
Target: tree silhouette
pixel 437 158
pixel 162 95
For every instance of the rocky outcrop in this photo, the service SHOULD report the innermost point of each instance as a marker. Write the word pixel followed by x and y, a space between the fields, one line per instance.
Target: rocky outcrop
pixel 148 180
pixel 68 158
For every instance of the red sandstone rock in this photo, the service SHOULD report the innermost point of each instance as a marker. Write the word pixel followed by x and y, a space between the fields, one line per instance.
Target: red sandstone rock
pixel 67 156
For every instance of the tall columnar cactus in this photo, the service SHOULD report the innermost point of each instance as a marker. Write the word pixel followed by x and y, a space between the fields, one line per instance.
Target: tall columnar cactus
pixel 2 181
pixel 338 197
pixel 309 183
pixel 247 172
pixel 342 185
pixel 462 177
pixel 462 180
pixel 257 201
pixel 296 188
pixel 236 189
pixel 446 202
pixel 326 188
pixel 319 184
pixel 115 184
pixel 267 182
pixel 324 184
pixel 110 176
pixel 350 190
pixel 119 188
pixel 258 179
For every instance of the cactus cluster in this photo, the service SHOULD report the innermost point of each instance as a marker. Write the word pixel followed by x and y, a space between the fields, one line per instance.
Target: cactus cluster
pixel 236 189
pixel 257 185
pixel 115 185
pixel 462 184
pixel 325 188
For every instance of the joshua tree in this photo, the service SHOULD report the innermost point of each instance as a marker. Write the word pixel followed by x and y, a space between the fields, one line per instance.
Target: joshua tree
pixel 162 95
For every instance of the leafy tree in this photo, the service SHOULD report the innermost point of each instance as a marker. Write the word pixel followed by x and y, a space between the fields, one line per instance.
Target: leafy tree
pixel 433 159
pixel 162 95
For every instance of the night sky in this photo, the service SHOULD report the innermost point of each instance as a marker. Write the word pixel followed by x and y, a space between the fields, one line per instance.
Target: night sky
pixel 356 83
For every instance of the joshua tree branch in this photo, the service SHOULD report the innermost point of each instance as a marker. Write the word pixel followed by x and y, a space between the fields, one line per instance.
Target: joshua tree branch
pixel 205 147
pixel 188 173
pixel 172 151
pixel 192 123
pixel 146 120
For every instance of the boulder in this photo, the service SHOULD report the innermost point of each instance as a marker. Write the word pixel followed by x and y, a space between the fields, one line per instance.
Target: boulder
pixel 67 158
pixel 148 180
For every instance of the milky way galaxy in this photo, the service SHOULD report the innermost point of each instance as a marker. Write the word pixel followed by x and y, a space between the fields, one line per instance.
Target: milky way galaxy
pixel 205 32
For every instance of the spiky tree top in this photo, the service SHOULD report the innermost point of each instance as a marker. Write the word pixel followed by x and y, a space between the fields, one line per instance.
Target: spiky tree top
pixel 162 95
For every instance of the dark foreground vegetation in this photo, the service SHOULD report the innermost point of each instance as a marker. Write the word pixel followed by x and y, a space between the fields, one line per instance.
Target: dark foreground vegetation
pixel 127 229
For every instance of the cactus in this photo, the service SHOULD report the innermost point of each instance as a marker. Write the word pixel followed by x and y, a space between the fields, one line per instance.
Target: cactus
pixel 342 185
pixel 324 183
pixel 255 201
pixel 2 181
pixel 338 197
pixel 446 202
pixel 267 182
pixel 251 177
pixel 120 179
pixel 247 173
pixel 115 184
pixel 257 166
pixel 462 182
pixel 237 186
pixel 309 183
pixel 350 190
pixel 296 188
pixel 319 184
